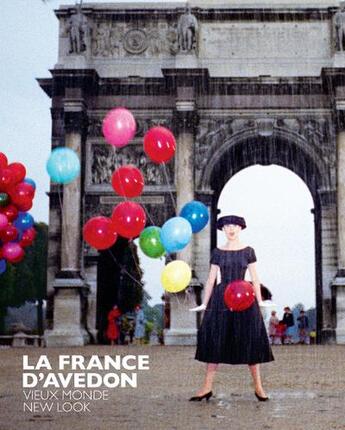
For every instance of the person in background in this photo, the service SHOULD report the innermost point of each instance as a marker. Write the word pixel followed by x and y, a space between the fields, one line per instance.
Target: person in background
pixel 131 330
pixel 280 331
pixel 139 331
pixel 272 327
pixel 288 320
pixel 113 331
pixel 303 328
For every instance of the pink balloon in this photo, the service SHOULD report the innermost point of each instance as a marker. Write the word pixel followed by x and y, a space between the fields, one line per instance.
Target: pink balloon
pixel 13 252
pixel 3 221
pixel 119 127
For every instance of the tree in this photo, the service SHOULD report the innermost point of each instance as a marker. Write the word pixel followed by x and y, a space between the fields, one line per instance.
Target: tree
pixel 27 280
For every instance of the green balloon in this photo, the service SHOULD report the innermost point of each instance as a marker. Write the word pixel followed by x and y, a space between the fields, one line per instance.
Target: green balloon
pixel 4 199
pixel 150 242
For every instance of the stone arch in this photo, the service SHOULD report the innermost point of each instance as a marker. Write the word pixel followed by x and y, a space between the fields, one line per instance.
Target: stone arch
pixel 284 148
pixel 292 151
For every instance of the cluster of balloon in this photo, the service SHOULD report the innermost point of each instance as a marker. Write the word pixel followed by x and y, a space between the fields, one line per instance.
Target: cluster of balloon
pixel 128 218
pixel 16 224
pixel 239 295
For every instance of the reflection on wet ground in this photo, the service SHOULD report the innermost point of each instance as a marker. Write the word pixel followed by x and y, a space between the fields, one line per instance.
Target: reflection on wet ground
pixel 306 386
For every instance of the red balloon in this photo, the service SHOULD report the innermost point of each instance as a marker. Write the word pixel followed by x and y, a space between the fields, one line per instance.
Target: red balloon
pixel 129 219
pixel 10 211
pixel 239 295
pixel 25 204
pixel 3 160
pixel 99 232
pixel 159 144
pixel 23 189
pixel 22 195
pixel 127 181
pixel 28 237
pixel 13 252
pixel 9 233
pixel 18 171
pixel 6 179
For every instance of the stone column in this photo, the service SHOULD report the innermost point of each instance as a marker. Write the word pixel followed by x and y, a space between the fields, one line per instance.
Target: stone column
pixel 91 311
pixel 183 322
pixel 326 263
pixel 339 282
pixel 202 240
pixel 68 284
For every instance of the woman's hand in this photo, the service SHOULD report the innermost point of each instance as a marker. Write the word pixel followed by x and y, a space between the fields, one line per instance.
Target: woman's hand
pixel 198 308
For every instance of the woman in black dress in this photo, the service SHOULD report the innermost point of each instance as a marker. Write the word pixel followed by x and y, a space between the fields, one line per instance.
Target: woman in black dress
pixel 228 336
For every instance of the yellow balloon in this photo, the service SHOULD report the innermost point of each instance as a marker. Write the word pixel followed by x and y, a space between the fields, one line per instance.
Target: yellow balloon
pixel 176 276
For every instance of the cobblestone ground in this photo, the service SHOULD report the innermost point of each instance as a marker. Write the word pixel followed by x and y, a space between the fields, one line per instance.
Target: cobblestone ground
pixel 306 385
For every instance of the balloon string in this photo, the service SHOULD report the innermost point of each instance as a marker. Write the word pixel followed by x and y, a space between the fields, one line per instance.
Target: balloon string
pixel 148 214
pixel 137 266
pixel 63 221
pixel 123 270
pixel 140 201
pixel 130 240
pixel 165 172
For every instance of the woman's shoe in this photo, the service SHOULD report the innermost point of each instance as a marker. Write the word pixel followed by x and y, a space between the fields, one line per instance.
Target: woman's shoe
pixel 206 396
pixel 261 399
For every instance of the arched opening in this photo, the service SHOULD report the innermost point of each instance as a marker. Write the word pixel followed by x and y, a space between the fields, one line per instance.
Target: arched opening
pixel 247 149
pixel 279 211
pixel 119 282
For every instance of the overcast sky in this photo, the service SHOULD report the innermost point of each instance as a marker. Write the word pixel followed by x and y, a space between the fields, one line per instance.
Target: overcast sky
pixel 280 228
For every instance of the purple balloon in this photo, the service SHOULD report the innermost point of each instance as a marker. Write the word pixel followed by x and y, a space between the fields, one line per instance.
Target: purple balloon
pixel 23 221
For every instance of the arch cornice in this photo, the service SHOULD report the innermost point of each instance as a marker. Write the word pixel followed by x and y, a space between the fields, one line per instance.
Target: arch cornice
pixel 311 155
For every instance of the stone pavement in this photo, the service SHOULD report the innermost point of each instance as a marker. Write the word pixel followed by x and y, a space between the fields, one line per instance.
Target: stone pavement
pixel 306 385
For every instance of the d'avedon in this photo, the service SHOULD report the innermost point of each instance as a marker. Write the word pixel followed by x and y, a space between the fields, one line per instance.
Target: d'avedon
pixel 80 380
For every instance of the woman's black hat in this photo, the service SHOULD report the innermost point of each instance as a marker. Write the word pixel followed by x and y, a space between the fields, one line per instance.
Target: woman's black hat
pixel 231 219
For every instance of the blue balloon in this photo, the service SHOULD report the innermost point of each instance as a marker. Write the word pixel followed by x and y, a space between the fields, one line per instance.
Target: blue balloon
pixel 23 221
pixel 63 165
pixel 196 213
pixel 30 182
pixel 2 266
pixel 176 234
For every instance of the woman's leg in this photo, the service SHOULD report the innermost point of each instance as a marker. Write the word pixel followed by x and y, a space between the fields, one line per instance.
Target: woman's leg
pixel 255 371
pixel 211 369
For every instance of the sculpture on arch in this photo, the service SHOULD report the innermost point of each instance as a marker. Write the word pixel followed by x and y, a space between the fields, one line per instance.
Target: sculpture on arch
pixel 78 32
pixel 187 29
pixel 339 24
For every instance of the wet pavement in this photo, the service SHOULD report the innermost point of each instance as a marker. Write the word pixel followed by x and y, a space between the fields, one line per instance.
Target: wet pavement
pixel 306 385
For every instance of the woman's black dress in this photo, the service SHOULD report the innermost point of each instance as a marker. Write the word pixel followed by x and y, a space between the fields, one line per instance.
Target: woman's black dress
pixel 227 336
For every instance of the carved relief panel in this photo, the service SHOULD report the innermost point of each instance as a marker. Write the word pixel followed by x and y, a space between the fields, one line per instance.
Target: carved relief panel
pixel 113 39
pixel 103 159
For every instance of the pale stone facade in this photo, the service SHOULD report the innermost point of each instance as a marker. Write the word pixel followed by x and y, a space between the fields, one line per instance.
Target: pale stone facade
pixel 239 83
